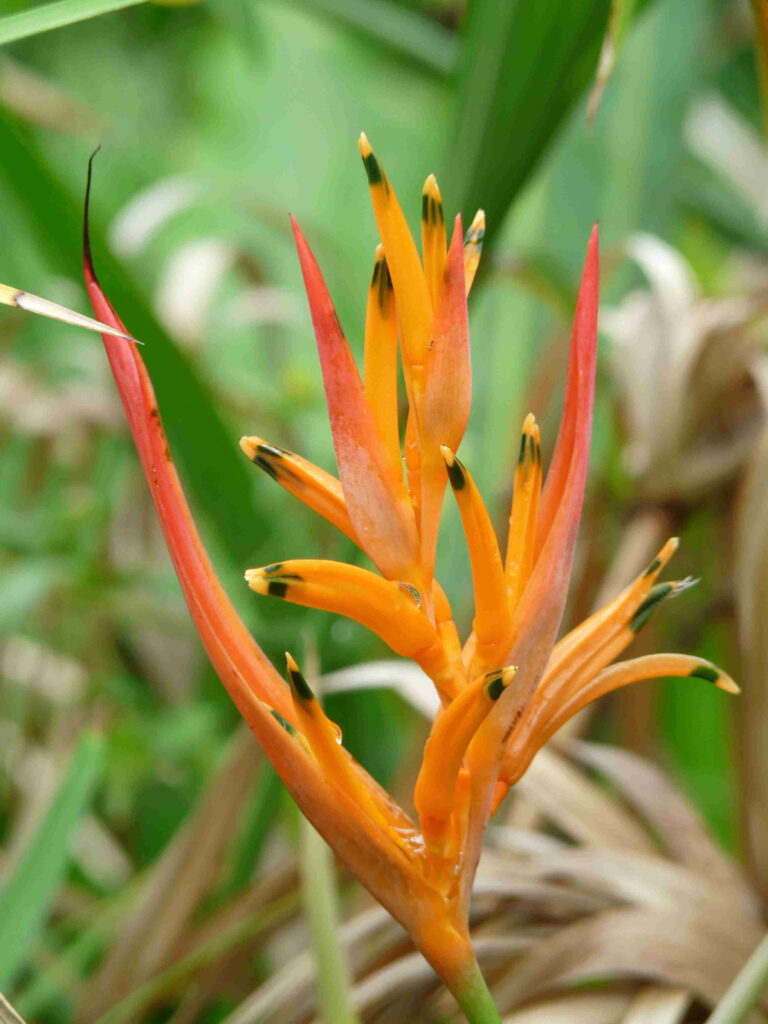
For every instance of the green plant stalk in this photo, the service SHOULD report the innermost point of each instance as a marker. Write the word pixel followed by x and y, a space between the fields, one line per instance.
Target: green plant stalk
pixel 26 898
pixel 760 12
pixel 319 895
pixel 473 996
pixel 55 15
pixel 746 989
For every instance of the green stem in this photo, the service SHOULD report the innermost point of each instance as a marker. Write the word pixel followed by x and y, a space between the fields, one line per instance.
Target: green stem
pixel 475 999
pixel 745 990
pixel 318 883
pixel 55 15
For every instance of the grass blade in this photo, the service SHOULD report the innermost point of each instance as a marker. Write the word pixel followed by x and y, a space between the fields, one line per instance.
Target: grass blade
pixel 750 983
pixel 26 898
pixel 217 475
pixel 404 31
pixel 7 1013
pixel 55 15
pixel 522 67
pixel 318 884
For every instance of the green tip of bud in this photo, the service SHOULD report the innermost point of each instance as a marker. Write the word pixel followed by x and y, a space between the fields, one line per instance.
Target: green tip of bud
pixel 299 684
pixel 649 605
pixel 455 469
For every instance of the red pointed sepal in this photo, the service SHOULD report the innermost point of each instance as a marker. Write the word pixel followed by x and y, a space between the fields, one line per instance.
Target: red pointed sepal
pixel 374 490
pixel 447 391
pixel 538 615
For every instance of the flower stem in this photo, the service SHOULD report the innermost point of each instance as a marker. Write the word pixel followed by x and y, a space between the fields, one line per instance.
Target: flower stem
pixel 746 989
pixel 475 999
pixel 319 893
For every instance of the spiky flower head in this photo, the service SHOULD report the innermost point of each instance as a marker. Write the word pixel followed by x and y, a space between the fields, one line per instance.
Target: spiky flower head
pixel 506 687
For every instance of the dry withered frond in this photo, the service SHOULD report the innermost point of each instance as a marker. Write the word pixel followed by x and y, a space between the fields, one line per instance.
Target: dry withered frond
pixel 751 595
pixel 683 366
pixel 150 936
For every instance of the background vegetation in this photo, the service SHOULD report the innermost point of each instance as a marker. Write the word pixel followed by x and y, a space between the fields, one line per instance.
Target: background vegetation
pixel 120 753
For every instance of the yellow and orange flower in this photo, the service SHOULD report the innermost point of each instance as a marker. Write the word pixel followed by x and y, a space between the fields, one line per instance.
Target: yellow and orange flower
pixel 511 684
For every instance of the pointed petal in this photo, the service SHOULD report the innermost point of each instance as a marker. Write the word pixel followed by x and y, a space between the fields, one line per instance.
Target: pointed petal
pixel 538 615
pixel 447 392
pixel 557 476
pixel 319 490
pixel 388 608
pixel 615 624
pixel 253 684
pixel 524 513
pixel 433 238
pixel 532 734
pixel 413 302
pixel 338 767
pixel 52 310
pixel 492 618
pixel 473 247
pixel 581 655
pixel 380 373
pixel 451 733
pixel 448 366
pixel 375 494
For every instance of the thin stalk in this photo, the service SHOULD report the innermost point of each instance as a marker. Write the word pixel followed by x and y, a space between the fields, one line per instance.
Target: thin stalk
pixel 745 990
pixel 7 1013
pixel 55 15
pixel 320 901
pixel 475 999
pixel 760 12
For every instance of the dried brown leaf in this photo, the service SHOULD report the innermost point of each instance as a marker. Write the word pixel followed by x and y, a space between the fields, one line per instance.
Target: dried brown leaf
pixel 569 800
pixel 752 599
pixel 658 1005
pixel 684 947
pixel 174 887
pixel 605 1007
pixel 669 814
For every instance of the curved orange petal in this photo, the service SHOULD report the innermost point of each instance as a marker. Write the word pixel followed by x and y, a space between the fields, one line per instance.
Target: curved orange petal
pixel 319 490
pixel 380 363
pixel 533 733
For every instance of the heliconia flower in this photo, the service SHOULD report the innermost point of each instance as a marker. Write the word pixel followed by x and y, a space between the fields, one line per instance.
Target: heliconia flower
pixel 512 683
